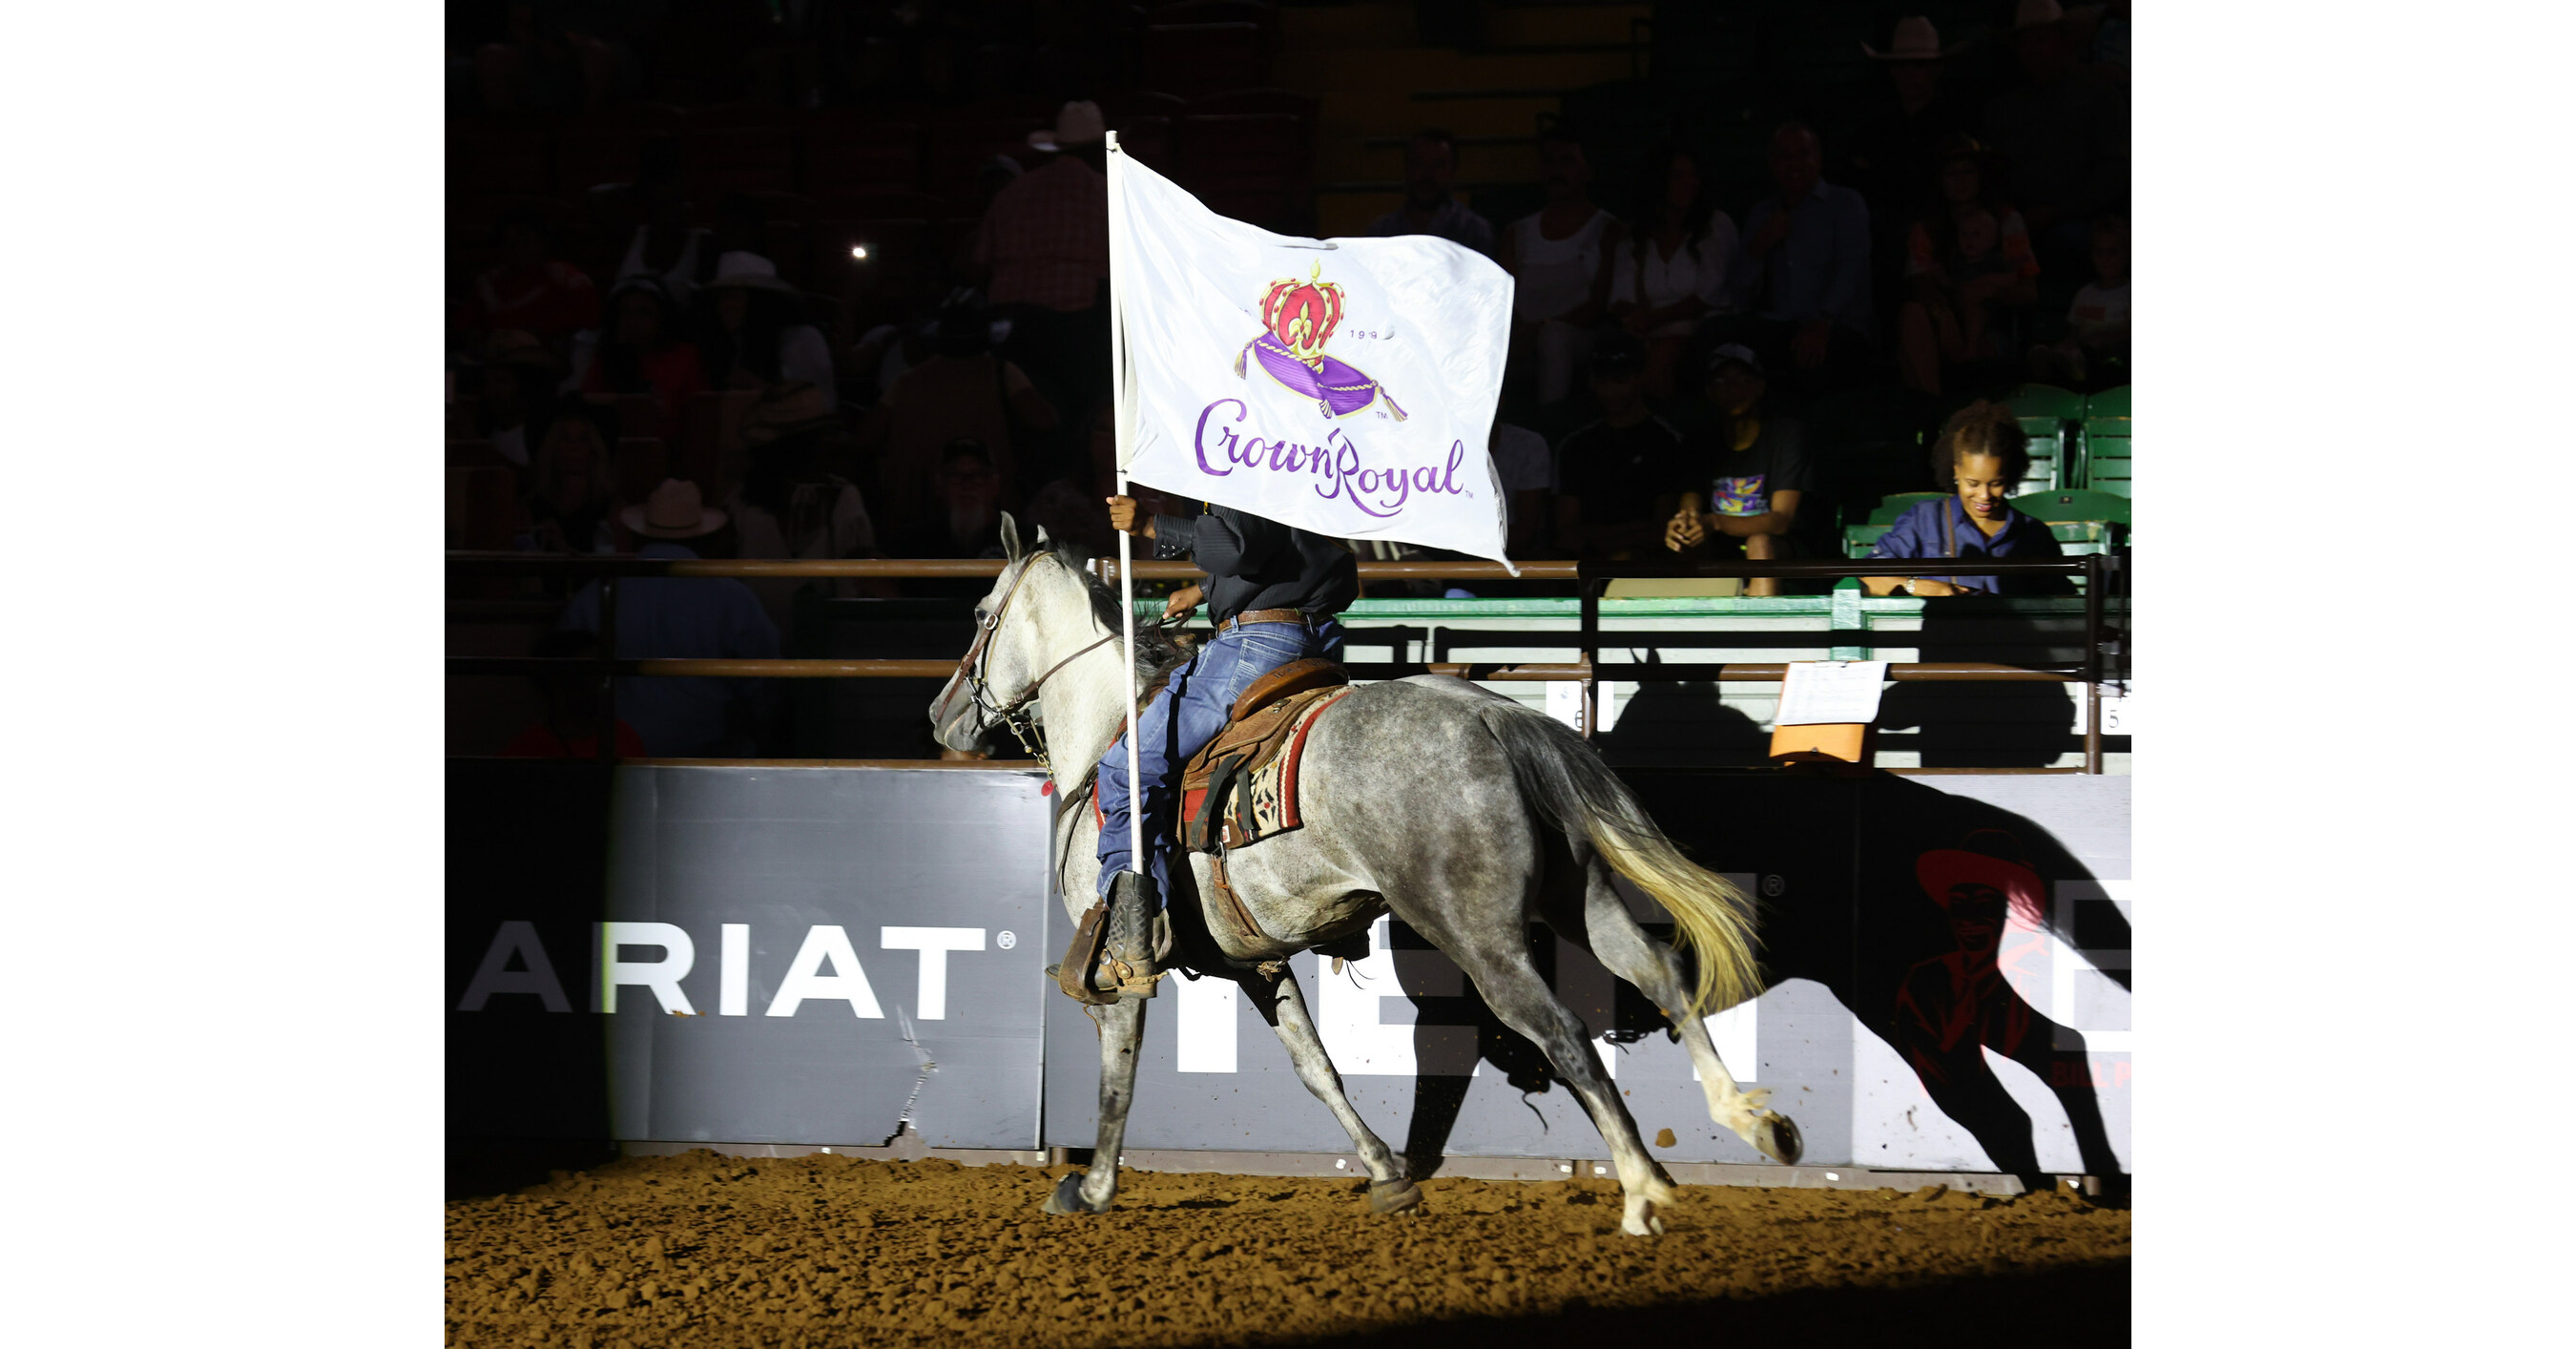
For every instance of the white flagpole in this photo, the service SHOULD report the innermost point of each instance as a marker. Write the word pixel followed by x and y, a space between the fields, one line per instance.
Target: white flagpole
pixel 1115 160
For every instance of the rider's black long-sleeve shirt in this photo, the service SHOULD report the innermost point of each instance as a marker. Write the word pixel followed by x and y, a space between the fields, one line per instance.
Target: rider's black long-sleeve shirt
pixel 1256 563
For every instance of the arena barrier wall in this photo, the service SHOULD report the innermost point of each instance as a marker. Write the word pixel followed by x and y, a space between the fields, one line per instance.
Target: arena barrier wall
pixel 784 955
pixel 1891 1045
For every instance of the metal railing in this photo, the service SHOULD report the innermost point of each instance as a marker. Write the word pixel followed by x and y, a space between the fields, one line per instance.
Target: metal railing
pixel 2099 572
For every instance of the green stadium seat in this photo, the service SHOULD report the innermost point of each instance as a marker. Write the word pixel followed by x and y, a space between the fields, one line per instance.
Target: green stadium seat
pixel 1859 539
pixel 1898 503
pixel 2106 441
pixel 2046 412
pixel 2083 521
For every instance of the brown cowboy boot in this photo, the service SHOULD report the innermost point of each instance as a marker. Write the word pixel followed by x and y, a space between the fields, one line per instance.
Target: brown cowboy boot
pixel 1136 943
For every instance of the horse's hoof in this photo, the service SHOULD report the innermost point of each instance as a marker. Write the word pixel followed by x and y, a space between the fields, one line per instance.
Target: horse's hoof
pixel 1777 1137
pixel 1651 1226
pixel 1068 1198
pixel 1394 1196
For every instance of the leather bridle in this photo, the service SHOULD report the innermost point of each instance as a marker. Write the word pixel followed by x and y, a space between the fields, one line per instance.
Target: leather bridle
pixel 970 667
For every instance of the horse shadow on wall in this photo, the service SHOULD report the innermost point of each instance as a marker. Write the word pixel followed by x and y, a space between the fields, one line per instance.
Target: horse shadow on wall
pixel 1899 898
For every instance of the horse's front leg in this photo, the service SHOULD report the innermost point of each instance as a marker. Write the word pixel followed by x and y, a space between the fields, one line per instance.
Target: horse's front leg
pixel 1283 1005
pixel 1122 1036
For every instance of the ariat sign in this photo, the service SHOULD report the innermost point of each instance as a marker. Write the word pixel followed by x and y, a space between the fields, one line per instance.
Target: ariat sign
pixel 826 968
pixel 782 956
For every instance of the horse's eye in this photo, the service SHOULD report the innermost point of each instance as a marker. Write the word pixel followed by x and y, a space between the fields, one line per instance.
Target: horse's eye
pixel 981 616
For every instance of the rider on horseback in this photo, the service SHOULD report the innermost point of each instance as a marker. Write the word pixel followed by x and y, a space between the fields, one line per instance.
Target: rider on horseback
pixel 1272 592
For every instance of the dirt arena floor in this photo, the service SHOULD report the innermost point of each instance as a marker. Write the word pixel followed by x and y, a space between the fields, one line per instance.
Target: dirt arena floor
pixel 705 1250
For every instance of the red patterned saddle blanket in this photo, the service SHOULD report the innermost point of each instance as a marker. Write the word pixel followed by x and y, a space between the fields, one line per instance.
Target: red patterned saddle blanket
pixel 1242 788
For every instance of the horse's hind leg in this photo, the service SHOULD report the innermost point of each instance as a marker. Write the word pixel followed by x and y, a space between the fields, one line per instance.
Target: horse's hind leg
pixel 1512 987
pixel 1283 1005
pixel 1122 1034
pixel 1628 951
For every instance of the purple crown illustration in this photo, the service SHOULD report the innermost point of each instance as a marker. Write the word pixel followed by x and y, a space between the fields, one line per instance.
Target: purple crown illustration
pixel 1298 317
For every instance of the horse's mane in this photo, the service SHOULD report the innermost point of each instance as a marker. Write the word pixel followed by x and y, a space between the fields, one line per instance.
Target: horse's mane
pixel 1157 655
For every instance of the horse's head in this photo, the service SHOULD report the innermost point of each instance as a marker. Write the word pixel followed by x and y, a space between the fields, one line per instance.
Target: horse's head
pixel 1001 669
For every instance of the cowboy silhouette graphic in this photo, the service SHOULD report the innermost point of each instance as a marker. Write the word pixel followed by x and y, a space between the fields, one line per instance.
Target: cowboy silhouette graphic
pixel 1953 1007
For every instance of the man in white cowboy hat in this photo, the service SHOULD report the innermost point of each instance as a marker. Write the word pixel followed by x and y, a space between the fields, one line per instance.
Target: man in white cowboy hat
pixel 1045 239
pixel 1042 255
pixel 761 335
pixel 1893 144
pixel 2065 134
pixel 667 617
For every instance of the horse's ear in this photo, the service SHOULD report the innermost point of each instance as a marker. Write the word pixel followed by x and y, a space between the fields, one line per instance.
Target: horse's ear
pixel 1043 542
pixel 1011 548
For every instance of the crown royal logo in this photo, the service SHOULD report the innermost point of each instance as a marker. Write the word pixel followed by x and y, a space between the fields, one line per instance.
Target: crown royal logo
pixel 1299 317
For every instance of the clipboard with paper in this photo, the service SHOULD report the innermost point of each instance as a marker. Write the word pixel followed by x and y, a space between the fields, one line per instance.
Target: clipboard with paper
pixel 1826 708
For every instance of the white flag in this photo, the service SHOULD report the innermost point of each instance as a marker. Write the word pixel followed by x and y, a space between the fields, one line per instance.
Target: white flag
pixel 1342 386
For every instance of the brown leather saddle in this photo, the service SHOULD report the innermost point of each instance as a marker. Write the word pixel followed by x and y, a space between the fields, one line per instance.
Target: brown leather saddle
pixel 1242 787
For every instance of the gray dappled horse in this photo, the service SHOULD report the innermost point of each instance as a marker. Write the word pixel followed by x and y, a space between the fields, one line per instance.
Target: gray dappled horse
pixel 1464 813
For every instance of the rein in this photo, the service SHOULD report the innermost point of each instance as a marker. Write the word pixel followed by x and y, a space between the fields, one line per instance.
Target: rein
pixel 971 668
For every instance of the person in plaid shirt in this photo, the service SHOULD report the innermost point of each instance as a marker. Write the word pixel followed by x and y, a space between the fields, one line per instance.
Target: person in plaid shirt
pixel 1042 253
pixel 1045 239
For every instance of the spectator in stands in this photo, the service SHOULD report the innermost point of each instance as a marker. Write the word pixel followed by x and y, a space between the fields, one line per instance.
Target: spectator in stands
pixel 643 350
pixel 663 244
pixel 1559 258
pixel 965 390
pixel 968 524
pixel 1981 455
pixel 790 505
pixel 1968 262
pixel 1070 511
pixel 1744 478
pixel 1899 138
pixel 894 314
pixel 537 62
pixel 667 617
pixel 568 728
pixel 2095 351
pixel 1521 461
pixel 526 290
pixel 1801 279
pixel 518 382
pixel 1042 256
pixel 1670 272
pixel 573 497
pixel 1430 203
pixel 2066 133
pixel 754 333
pixel 1613 476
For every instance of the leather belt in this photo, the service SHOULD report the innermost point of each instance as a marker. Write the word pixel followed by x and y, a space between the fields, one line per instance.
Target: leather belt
pixel 1297 616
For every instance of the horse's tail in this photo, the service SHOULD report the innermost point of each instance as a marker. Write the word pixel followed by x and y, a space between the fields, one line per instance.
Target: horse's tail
pixel 1565 780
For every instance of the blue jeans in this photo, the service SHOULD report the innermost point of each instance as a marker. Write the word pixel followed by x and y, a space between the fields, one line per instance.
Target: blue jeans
pixel 1183 717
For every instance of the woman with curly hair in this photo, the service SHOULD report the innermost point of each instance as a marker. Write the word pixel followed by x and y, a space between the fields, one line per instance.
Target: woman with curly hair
pixel 1981 454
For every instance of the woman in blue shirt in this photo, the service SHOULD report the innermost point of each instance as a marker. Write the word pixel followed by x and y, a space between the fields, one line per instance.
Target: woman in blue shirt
pixel 1981 454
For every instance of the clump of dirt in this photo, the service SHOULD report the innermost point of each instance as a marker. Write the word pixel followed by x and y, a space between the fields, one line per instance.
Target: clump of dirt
pixel 713 1251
